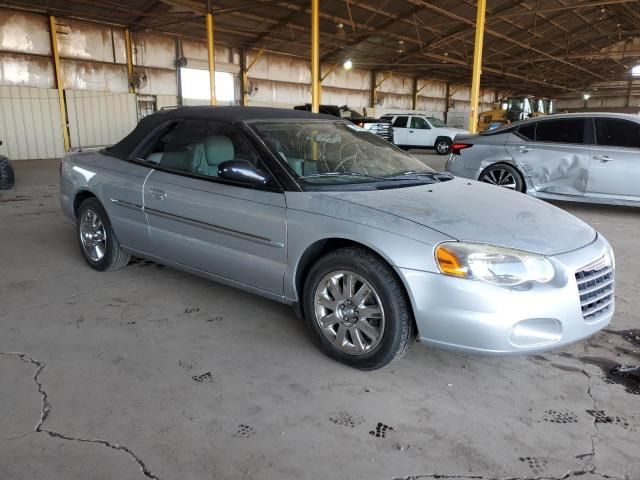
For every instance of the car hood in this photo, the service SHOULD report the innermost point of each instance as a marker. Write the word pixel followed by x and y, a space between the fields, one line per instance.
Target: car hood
pixel 476 212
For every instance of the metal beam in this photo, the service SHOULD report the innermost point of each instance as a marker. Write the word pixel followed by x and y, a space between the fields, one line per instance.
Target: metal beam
pixel 315 56
pixel 477 66
pixel 572 7
pixel 244 68
pixel 212 59
pixel 56 67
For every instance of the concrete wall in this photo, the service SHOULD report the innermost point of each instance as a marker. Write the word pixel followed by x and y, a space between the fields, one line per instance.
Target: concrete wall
pixel 95 81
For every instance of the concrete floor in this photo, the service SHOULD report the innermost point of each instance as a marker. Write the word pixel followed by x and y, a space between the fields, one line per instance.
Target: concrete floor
pixel 149 372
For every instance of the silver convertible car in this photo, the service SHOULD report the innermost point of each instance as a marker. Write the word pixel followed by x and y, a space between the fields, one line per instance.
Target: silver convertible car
pixel 371 246
pixel 584 157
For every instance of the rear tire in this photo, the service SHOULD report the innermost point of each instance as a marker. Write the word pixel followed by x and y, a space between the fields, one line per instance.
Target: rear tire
pixel 98 242
pixel 443 145
pixel 503 175
pixel 357 309
pixel 7 176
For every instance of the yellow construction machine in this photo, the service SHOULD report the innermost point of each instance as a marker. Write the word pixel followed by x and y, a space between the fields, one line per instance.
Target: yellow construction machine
pixel 512 109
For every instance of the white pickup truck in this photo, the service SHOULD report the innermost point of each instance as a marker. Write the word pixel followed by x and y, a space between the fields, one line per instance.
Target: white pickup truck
pixel 420 131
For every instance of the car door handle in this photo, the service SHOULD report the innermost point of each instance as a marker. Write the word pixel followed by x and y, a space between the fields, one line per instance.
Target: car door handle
pixel 157 193
pixel 523 149
pixel 410 131
pixel 602 158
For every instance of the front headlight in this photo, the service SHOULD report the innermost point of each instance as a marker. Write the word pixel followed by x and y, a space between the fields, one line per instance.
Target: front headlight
pixel 497 265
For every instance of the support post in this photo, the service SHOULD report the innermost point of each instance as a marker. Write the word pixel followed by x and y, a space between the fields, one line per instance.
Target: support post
pixel 211 56
pixel 629 87
pixel 129 51
pixel 447 95
pixel 244 78
pixel 179 71
pixel 372 90
pixel 414 103
pixel 477 66
pixel 59 86
pixel 315 56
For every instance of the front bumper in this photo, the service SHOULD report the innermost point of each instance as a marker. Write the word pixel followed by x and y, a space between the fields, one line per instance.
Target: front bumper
pixel 474 316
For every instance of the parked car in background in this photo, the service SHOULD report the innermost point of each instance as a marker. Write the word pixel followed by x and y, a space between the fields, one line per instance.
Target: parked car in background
pixel 372 245
pixel 7 176
pixel 420 131
pixel 380 127
pixel 586 157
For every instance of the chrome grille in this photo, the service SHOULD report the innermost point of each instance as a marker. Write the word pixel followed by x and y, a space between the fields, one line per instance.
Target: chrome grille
pixel 595 286
pixel 383 129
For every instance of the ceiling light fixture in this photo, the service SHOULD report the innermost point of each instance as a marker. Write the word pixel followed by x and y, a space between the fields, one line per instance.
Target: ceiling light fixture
pixel 348 64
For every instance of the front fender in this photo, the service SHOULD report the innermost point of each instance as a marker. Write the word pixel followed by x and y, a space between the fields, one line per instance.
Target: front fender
pixel 401 243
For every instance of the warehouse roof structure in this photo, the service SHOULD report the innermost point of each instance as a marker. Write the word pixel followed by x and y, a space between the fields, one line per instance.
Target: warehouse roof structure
pixel 546 46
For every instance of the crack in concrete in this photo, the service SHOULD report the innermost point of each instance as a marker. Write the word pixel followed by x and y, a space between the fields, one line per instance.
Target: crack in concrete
pixel 45 410
pixel 569 474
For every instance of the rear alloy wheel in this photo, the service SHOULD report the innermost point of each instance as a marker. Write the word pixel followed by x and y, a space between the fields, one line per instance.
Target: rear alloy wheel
pixel 98 243
pixel 443 146
pixel 357 309
pixel 503 175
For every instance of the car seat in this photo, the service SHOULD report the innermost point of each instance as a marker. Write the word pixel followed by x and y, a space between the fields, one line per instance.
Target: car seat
pixel 207 156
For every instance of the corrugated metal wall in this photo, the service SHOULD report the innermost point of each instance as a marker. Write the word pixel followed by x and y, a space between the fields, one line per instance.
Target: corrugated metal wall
pixel 99 118
pixel 30 125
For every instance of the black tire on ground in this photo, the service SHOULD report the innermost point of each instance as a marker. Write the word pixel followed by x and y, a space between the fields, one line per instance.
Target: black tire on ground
pixel 503 175
pixel 7 177
pixel 399 330
pixel 114 257
pixel 443 145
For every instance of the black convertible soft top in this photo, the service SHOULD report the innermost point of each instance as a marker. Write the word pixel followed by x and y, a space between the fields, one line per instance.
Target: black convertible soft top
pixel 230 115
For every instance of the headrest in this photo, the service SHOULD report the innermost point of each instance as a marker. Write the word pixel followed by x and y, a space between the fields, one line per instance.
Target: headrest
pixel 218 149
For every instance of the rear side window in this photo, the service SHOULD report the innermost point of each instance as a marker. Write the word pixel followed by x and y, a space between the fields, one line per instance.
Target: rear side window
pixel 569 130
pixel 617 133
pixel 401 122
pixel 528 132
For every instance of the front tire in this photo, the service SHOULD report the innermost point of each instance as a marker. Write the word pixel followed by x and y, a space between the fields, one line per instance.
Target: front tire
pixel 503 175
pixel 98 242
pixel 443 146
pixel 357 309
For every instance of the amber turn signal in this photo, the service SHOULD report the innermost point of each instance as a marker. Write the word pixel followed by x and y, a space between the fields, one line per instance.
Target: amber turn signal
pixel 449 263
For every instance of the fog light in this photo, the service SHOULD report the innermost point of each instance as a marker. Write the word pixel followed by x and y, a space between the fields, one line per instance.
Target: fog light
pixel 535 332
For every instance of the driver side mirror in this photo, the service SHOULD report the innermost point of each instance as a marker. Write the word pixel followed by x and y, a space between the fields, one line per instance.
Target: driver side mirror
pixel 242 171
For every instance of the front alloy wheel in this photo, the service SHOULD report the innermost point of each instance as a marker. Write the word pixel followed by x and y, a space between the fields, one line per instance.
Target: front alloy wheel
pixel 357 308
pixel 349 312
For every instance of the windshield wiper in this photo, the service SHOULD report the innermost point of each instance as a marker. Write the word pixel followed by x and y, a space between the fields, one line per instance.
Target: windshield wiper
pixel 409 173
pixel 338 174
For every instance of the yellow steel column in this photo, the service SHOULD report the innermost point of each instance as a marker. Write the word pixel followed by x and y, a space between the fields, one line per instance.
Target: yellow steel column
pixel 477 66
pixel 212 61
pixel 315 56
pixel 127 45
pixel 59 86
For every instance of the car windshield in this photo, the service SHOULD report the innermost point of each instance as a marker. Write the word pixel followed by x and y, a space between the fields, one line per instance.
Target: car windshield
pixel 334 153
pixel 436 122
